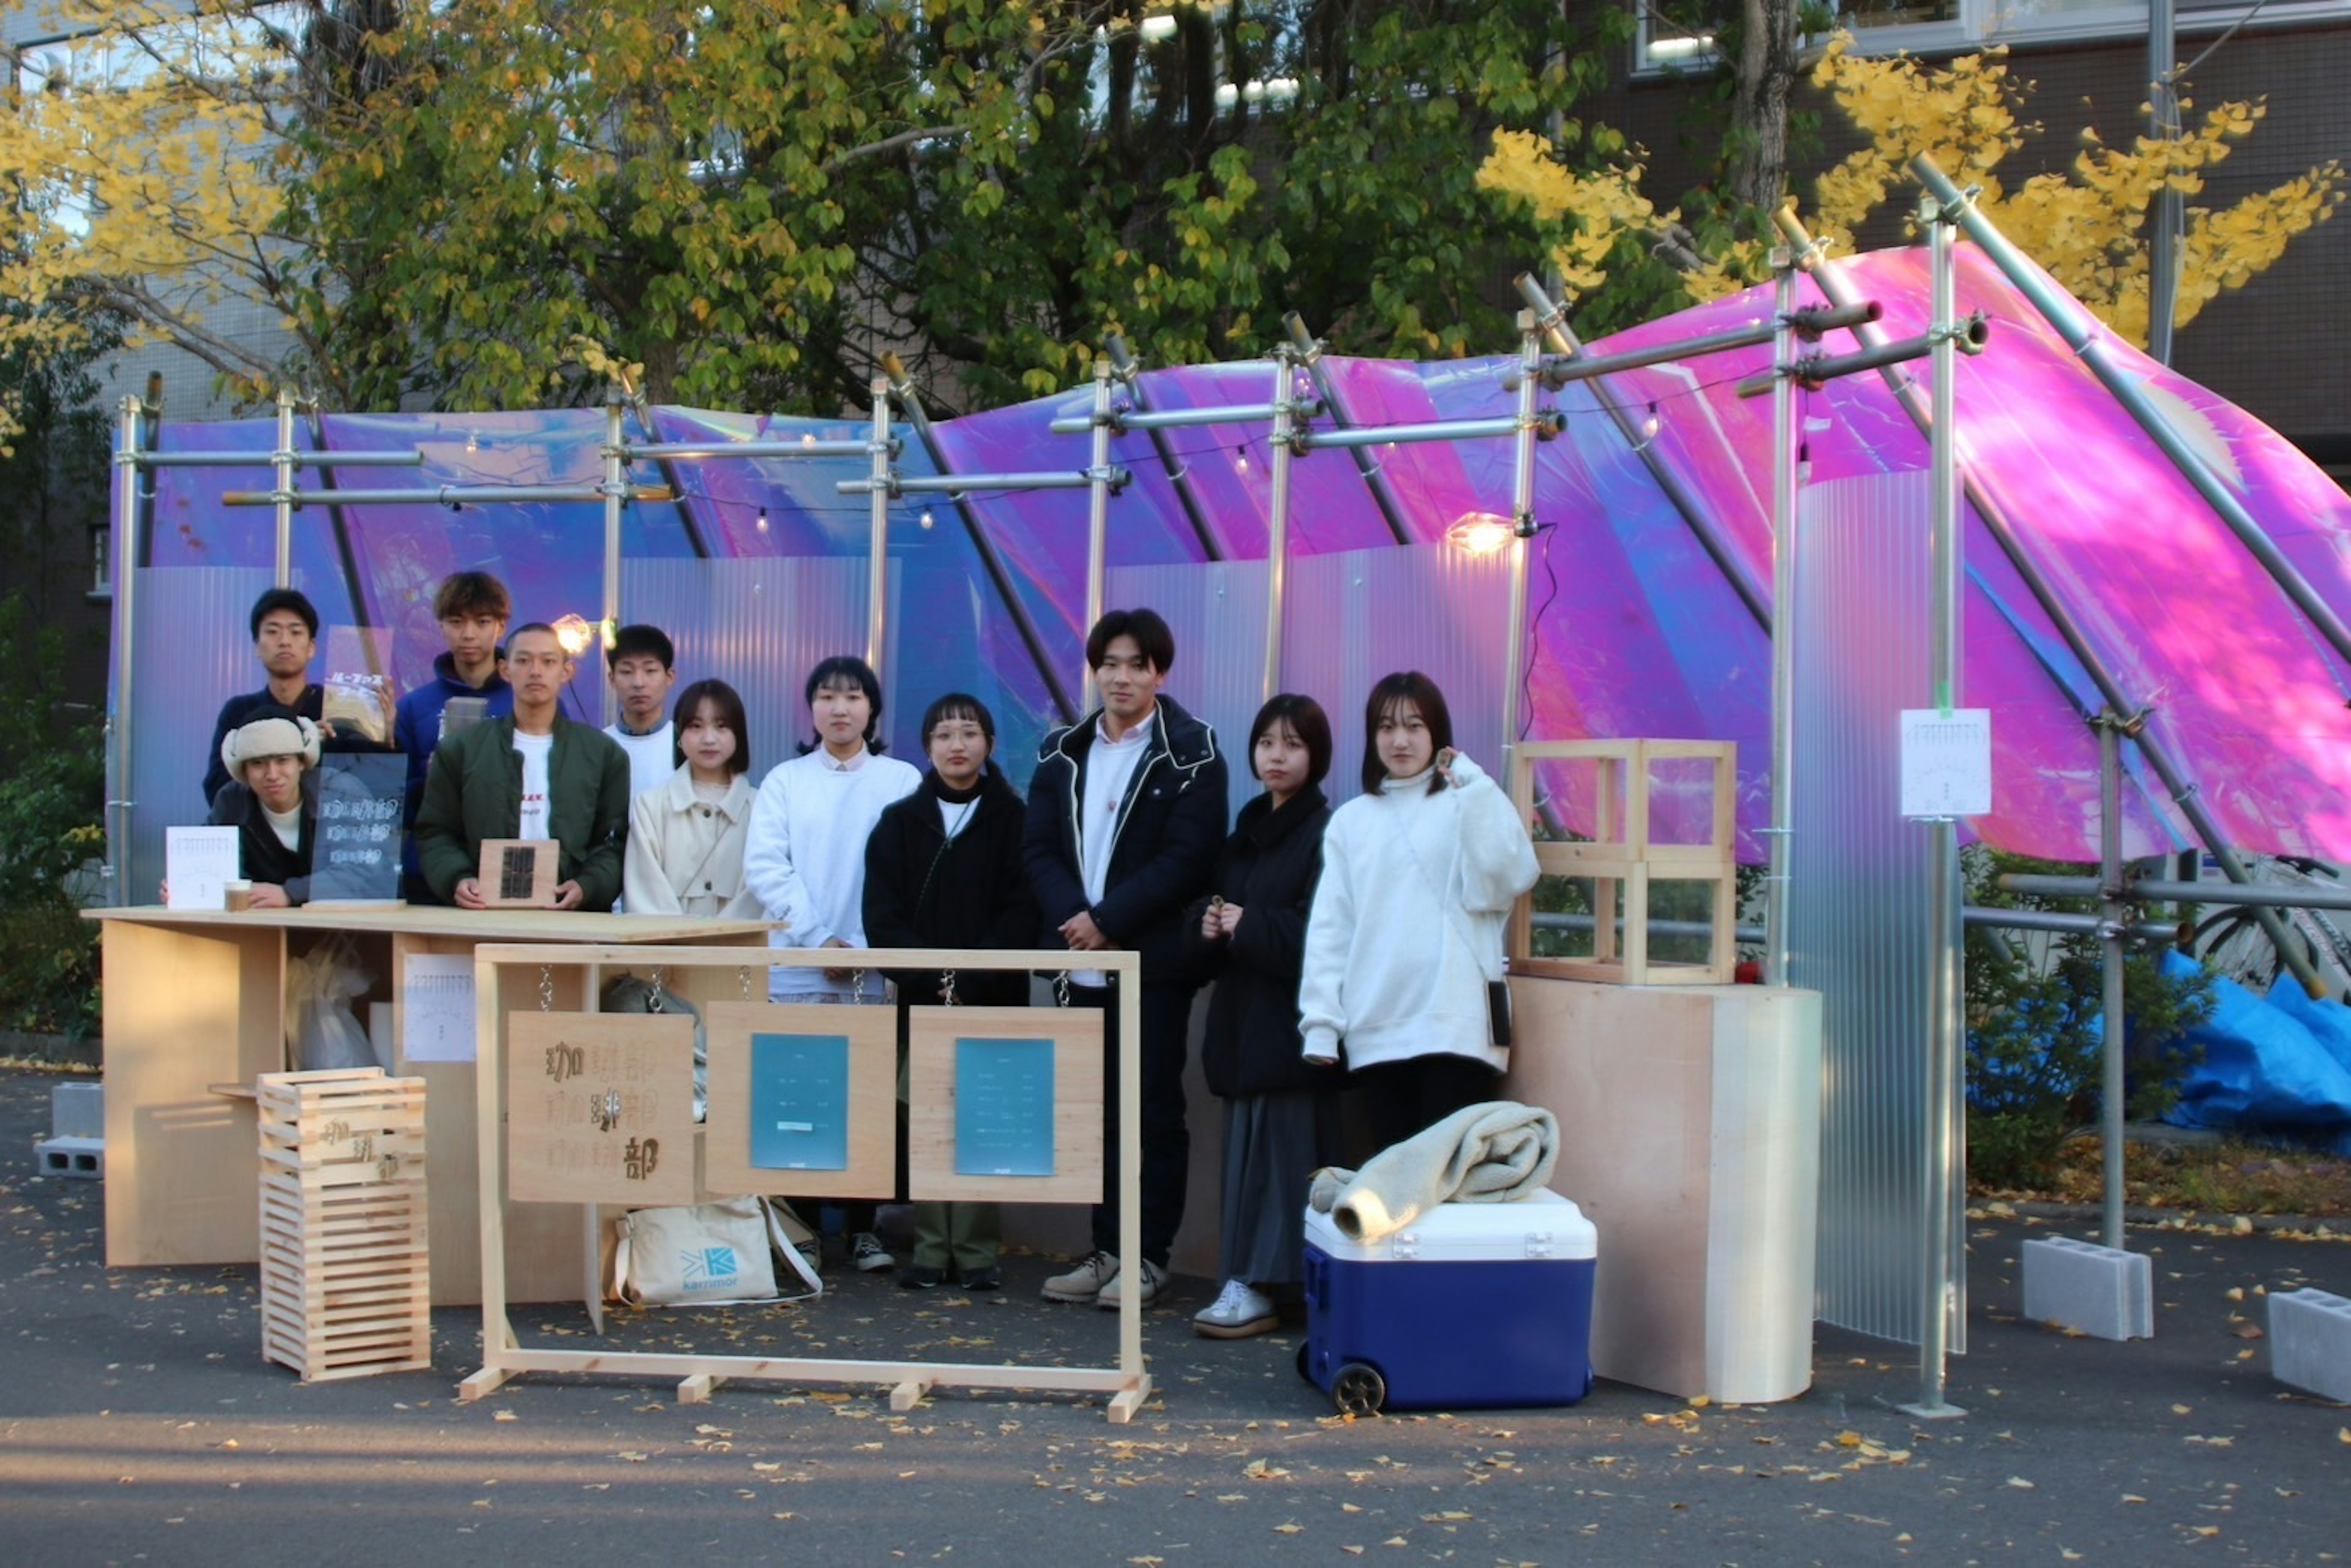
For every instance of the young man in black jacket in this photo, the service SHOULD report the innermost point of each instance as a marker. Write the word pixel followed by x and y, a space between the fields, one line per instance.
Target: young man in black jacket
pixel 1126 814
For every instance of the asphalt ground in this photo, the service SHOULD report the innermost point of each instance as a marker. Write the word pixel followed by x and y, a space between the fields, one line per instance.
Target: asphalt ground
pixel 139 1422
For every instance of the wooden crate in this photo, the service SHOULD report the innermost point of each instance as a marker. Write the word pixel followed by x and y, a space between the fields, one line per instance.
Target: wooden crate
pixel 346 1278
pixel 1624 854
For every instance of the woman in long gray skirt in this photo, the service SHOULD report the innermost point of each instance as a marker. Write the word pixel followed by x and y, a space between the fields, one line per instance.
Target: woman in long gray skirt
pixel 1281 1113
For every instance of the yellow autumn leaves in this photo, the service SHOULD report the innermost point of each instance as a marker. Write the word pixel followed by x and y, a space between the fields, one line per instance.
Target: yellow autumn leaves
pixel 2086 226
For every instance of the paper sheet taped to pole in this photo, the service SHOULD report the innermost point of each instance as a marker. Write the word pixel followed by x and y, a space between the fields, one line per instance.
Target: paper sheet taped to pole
pixel 1946 762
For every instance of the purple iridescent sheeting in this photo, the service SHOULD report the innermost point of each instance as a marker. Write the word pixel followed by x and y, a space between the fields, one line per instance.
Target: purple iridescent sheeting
pixel 1636 629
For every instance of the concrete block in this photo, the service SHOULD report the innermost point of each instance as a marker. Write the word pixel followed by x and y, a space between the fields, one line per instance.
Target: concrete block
pixel 2101 1291
pixel 77 1111
pixel 2310 1342
pixel 81 1157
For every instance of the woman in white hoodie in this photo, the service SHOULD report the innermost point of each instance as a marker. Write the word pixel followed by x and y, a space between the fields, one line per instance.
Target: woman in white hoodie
pixel 1419 874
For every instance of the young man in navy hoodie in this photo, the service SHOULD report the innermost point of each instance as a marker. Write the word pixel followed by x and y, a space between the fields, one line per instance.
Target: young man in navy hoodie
pixel 1126 818
pixel 472 608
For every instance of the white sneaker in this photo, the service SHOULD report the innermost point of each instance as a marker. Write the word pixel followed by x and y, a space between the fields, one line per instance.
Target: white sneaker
pixel 1153 1277
pixel 1085 1282
pixel 866 1251
pixel 1237 1313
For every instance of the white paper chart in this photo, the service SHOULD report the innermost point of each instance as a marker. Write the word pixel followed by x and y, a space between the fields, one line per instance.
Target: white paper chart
pixel 1946 762
pixel 197 864
pixel 437 1007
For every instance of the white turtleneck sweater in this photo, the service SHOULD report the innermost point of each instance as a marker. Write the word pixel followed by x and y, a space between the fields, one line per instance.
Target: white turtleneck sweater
pixel 1388 969
pixel 804 857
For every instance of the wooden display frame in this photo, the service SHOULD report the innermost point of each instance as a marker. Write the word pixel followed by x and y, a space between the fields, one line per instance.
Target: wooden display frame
pixel 490 874
pixel 872 1034
pixel 932 1090
pixel 601 1108
pixel 504 1356
pixel 1623 854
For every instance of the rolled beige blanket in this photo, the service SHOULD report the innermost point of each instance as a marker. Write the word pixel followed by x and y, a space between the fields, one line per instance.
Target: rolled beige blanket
pixel 1494 1153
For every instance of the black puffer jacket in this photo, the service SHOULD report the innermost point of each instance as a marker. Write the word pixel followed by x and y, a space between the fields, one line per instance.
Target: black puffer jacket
pixel 924 891
pixel 1269 867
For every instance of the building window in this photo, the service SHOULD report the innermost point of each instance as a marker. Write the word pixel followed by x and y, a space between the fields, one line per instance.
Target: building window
pixel 102 561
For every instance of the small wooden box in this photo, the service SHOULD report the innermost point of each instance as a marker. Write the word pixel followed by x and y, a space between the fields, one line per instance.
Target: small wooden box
pixel 346 1272
pixel 518 873
pixel 1624 853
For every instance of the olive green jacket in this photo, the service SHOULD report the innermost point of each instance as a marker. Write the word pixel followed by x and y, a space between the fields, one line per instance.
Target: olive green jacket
pixel 474 793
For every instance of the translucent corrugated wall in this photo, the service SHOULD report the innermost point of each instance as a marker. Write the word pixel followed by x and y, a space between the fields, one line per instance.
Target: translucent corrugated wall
pixel 1858 914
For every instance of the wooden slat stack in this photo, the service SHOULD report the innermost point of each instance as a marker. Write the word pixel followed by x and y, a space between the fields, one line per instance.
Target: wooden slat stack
pixel 346 1286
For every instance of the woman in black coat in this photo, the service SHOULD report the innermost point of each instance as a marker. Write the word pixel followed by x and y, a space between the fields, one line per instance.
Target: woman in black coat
pixel 1281 1113
pixel 942 870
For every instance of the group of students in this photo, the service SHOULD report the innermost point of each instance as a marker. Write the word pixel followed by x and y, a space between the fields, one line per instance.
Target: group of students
pixel 1347 948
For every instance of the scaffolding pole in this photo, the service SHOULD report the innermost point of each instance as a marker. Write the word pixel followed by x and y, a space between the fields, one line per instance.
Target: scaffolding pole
pixel 1383 495
pixel 1277 516
pixel 877 543
pixel 1942 1188
pixel 1522 533
pixel 1782 626
pixel 615 480
pixel 118 802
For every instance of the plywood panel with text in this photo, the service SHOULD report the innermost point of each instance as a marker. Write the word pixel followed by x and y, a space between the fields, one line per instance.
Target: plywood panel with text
pixel 600 1108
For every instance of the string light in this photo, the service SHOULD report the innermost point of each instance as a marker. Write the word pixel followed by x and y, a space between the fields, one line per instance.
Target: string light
pixel 762 524
pixel 473 441
pixel 1241 456
pixel 926 518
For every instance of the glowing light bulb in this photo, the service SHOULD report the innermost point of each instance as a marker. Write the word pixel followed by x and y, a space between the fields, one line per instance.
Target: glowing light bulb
pixel 762 524
pixel 1649 425
pixel 1479 533
pixel 926 518
pixel 473 441
pixel 1241 457
pixel 574 634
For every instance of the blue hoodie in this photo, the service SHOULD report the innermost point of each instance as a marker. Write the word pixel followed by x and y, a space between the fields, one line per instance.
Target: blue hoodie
pixel 416 728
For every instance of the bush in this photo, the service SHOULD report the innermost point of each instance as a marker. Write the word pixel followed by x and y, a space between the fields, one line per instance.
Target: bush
pixel 2035 1029
pixel 53 759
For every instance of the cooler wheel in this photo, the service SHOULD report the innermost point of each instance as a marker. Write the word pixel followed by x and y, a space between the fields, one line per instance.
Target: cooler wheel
pixel 1359 1389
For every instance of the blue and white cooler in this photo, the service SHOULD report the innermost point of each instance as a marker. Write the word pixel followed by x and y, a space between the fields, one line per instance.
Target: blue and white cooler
pixel 1472 1305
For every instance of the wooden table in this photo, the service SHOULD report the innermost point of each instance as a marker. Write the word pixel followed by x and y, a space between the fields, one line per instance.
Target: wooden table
pixel 195 1001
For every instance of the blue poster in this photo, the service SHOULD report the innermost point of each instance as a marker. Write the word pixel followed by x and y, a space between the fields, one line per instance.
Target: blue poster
pixel 1004 1107
pixel 799 1102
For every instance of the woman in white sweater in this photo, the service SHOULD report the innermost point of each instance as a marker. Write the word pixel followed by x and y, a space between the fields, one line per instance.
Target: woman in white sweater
pixel 1419 874
pixel 686 835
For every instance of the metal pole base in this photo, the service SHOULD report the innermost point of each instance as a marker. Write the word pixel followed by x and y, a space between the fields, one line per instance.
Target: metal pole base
pixel 1934 1412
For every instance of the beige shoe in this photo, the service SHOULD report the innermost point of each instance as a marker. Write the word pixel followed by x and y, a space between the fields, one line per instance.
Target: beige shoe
pixel 1151 1275
pixel 1085 1282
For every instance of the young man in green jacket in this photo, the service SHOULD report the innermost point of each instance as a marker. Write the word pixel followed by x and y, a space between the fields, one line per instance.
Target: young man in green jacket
pixel 535 775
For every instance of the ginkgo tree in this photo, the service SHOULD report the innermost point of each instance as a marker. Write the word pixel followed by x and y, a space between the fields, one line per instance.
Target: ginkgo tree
pixel 2085 224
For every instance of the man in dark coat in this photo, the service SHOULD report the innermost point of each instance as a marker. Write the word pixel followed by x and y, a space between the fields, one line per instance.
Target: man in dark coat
pixel 1125 815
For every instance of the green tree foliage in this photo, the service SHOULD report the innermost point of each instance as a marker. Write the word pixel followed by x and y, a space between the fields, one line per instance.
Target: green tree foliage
pixel 755 203
pixel 2034 1037
pixel 49 828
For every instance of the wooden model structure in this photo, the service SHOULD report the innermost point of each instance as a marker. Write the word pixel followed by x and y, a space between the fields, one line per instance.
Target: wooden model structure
pixel 346 1286
pixel 1622 855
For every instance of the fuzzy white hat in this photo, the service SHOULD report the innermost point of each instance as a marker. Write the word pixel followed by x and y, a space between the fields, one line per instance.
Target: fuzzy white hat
pixel 293 737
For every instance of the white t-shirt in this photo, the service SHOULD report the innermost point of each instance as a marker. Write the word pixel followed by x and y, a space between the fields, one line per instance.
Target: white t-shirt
pixel 535 749
pixel 651 757
pixel 1110 767
pixel 287 825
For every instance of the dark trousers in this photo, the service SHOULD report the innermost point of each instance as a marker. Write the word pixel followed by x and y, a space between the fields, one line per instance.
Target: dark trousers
pixel 1166 1154
pixel 1401 1098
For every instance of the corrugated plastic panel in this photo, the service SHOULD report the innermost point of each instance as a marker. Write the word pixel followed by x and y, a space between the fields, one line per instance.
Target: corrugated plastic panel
pixel 760 626
pixel 1216 610
pixel 192 654
pixel 1858 907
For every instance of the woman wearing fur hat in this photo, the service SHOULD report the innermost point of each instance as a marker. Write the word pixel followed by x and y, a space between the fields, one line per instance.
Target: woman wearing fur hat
pixel 272 800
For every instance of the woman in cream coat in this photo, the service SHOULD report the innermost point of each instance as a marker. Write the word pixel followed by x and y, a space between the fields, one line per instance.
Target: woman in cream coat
pixel 685 838
pixel 1419 872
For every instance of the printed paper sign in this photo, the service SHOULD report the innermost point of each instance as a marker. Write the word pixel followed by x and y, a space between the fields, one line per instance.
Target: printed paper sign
pixel 198 866
pixel 1946 762
pixel 799 1102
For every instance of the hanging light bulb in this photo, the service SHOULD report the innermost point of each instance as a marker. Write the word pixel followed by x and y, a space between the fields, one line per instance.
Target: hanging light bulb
pixel 762 524
pixel 1649 425
pixel 1241 456
pixel 473 441
pixel 926 518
